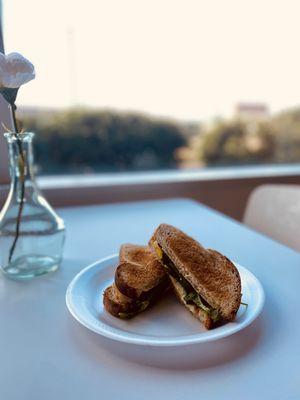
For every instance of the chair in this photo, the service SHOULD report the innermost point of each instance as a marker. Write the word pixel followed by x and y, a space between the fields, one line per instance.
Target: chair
pixel 275 211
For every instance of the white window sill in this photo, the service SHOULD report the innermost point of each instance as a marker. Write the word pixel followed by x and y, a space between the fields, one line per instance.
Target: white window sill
pixel 218 188
pixel 176 176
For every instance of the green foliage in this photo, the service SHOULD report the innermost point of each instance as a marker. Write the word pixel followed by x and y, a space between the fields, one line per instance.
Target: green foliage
pixel 236 143
pixel 287 133
pixel 80 140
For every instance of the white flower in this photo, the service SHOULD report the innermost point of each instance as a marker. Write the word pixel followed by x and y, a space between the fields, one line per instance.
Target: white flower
pixel 15 70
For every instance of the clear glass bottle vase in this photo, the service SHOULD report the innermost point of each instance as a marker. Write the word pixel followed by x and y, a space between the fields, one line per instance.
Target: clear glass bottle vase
pixel 31 234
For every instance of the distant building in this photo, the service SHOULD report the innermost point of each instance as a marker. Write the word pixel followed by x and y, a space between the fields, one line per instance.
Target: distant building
pixel 252 112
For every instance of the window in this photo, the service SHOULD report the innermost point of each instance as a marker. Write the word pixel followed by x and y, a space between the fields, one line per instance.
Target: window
pixel 156 85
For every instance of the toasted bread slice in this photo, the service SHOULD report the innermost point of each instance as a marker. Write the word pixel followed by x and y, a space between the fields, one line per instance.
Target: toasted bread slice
pixel 211 274
pixel 140 280
pixel 139 272
pixel 123 307
pixel 135 253
pixel 117 304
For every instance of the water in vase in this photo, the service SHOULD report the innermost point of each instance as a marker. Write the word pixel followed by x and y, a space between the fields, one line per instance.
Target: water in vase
pixel 34 246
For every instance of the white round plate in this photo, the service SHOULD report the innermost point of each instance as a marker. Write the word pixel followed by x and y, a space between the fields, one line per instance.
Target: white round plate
pixel 167 323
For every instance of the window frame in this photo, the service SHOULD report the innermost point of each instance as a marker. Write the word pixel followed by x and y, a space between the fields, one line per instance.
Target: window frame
pixel 215 190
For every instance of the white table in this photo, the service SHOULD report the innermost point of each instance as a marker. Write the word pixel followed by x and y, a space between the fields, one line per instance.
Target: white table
pixel 45 354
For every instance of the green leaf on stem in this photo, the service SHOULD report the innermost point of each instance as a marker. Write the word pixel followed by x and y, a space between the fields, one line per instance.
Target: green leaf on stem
pixel 10 95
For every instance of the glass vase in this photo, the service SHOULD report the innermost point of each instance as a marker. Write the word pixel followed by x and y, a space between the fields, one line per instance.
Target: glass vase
pixel 31 233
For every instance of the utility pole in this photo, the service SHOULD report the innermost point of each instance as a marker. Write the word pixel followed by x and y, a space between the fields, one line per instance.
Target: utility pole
pixel 72 68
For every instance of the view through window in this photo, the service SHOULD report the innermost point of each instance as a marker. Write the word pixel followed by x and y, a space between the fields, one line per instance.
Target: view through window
pixel 136 85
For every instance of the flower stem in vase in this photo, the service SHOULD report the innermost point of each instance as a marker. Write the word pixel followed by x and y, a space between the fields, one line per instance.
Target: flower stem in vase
pixel 22 179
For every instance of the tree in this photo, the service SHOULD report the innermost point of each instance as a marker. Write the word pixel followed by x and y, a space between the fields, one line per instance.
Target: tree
pixel 235 143
pixel 83 140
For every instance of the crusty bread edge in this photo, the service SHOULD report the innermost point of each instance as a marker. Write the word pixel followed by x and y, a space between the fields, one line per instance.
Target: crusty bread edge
pixel 112 306
pixel 237 288
pixel 122 285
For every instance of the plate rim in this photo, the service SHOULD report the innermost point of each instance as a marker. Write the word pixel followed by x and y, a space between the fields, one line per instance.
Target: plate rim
pixel 147 341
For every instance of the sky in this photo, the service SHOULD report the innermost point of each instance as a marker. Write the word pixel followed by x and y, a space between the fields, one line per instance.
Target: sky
pixel 185 59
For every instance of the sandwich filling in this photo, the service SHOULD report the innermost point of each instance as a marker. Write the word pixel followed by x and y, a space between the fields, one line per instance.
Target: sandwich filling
pixel 190 294
pixel 138 307
pixel 141 304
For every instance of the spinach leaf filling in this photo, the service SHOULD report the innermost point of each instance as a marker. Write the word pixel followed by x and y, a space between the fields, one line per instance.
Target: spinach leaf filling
pixel 140 306
pixel 191 296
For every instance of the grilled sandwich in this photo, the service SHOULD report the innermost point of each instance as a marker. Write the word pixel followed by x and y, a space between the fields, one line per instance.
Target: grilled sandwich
pixel 205 281
pixel 140 280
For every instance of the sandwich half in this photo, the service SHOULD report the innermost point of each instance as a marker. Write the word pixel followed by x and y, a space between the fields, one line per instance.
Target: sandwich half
pixel 140 280
pixel 205 281
pixel 122 306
